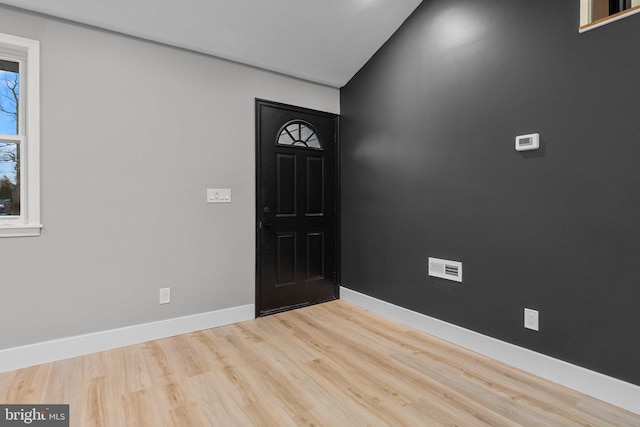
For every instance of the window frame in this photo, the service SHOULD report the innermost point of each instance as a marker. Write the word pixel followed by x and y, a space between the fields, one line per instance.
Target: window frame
pixel 27 53
pixel 587 23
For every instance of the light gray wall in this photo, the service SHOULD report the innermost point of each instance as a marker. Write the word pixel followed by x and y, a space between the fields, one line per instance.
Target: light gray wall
pixel 132 135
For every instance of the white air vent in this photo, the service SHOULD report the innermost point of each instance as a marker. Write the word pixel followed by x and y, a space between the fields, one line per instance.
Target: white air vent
pixel 445 269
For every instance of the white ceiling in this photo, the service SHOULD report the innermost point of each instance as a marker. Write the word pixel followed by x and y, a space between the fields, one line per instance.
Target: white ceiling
pixel 325 41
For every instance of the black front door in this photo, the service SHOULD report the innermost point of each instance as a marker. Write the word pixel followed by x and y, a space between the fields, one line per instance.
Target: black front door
pixel 297 207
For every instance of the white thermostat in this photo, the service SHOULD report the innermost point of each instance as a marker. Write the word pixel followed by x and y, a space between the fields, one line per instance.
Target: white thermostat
pixel 528 142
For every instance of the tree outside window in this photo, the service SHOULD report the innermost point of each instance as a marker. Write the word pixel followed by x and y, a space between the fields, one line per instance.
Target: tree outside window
pixel 9 150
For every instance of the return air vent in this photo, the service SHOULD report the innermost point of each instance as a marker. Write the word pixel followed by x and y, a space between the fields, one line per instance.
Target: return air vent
pixel 451 270
pixel 445 269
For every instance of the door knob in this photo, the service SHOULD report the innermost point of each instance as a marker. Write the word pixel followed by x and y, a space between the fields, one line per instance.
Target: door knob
pixel 266 225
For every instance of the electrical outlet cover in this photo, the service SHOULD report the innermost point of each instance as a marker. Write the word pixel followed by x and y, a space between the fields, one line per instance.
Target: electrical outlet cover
pixel 531 319
pixel 165 295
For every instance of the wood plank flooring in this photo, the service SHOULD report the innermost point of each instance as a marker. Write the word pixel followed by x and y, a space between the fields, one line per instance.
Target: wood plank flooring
pixel 332 364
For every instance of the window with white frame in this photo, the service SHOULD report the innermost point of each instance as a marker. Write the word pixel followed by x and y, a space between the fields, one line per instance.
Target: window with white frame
pixel 19 137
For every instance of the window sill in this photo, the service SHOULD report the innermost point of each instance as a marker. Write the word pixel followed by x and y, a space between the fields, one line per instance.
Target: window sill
pixel 22 230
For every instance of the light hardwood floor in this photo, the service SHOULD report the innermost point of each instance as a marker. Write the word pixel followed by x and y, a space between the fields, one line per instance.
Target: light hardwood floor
pixel 332 364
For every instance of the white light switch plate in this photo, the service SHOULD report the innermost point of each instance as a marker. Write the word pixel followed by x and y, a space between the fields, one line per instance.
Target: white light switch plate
pixel 218 195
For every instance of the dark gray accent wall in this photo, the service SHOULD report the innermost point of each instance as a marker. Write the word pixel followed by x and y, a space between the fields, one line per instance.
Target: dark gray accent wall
pixel 429 169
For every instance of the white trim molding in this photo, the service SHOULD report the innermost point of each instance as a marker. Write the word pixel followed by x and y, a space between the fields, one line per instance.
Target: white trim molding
pixel 65 348
pixel 611 390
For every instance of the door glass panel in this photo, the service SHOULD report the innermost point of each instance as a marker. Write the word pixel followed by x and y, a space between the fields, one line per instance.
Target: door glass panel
pixel 298 133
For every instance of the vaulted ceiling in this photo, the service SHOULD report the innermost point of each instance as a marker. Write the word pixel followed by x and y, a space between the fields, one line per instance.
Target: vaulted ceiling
pixel 324 41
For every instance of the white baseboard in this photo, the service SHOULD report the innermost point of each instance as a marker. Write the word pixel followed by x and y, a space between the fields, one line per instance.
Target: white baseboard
pixel 65 348
pixel 602 387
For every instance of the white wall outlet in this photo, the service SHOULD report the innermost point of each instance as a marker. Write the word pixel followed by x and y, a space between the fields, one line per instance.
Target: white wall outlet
pixel 165 295
pixel 531 320
pixel 218 195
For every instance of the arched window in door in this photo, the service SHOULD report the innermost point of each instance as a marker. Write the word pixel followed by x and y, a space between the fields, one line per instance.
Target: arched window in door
pixel 301 134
